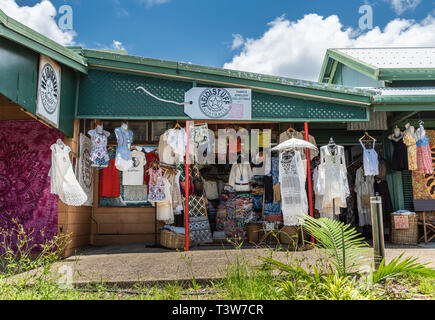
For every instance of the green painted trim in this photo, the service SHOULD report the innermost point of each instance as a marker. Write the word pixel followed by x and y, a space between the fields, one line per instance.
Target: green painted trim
pixel 372 71
pixel 353 63
pixel 333 71
pixel 189 72
pixel 407 74
pixel 322 76
pixel 17 32
pixel 404 107
pixel 296 120
pixel 405 99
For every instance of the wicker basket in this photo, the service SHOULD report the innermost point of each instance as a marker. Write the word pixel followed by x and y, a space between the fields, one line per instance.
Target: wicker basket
pixel 172 240
pixel 253 231
pixel 290 235
pixel 405 236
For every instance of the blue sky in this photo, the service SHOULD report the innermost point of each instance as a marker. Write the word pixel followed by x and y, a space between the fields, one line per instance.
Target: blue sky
pixel 201 31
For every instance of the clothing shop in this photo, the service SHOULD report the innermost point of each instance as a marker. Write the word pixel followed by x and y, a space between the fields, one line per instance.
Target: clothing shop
pixel 107 147
pixel 38 85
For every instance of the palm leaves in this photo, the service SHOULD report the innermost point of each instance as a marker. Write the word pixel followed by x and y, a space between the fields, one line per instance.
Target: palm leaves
pixel 344 247
pixel 397 268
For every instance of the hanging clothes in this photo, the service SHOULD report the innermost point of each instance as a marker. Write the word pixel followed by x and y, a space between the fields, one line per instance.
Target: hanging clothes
pixel 400 154
pixel 124 160
pixel 109 181
pixel 150 157
pixel 63 181
pixel 313 153
pixel 287 135
pixel 166 154
pixel 424 153
pixel 99 157
pixel 240 176
pixel 177 200
pixel 293 193
pixel 272 209
pixel 332 179
pixel 164 209
pixel 381 187
pixel 370 160
pixel 364 188
pixel 134 175
pixel 86 174
pixel 156 188
pixel 177 140
pixel 411 143
pixel 211 189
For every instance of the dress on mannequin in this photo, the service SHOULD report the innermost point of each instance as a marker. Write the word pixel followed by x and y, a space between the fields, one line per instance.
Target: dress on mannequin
pixel 124 136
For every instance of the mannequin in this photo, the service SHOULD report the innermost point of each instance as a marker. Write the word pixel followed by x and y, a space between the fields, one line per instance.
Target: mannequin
pixel 400 154
pixel 397 134
pixel 123 154
pixel 410 129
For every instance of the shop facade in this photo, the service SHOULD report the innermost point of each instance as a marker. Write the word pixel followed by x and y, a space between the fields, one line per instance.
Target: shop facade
pixel 100 88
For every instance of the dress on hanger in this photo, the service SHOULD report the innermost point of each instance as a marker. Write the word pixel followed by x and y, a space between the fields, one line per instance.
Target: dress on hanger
pixel 156 188
pixel 400 154
pixel 370 160
pixel 364 188
pixel 109 181
pixel 332 180
pixel 63 181
pixel 124 160
pixel 165 211
pixel 410 141
pixel 292 181
pixel 99 157
pixel 424 153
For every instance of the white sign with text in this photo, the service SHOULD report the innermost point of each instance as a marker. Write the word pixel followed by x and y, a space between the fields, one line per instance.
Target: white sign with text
pixel 219 104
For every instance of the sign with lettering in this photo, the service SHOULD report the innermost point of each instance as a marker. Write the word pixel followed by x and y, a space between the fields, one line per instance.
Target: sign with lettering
pixel 401 223
pixel 48 100
pixel 219 104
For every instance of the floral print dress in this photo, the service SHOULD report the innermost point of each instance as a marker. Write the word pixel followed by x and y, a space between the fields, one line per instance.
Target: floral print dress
pixel 156 189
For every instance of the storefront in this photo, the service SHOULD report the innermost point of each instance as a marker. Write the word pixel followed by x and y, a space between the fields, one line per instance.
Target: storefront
pixel 101 103
pixel 38 89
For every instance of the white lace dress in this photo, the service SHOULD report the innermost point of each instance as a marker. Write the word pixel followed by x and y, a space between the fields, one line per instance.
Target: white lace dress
pixel 63 181
pixel 332 182
pixel 292 180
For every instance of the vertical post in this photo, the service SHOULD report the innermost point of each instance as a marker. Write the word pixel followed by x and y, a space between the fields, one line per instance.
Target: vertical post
pixel 187 182
pixel 377 229
pixel 310 187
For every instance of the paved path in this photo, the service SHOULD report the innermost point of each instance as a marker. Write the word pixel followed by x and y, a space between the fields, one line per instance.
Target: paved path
pixel 130 264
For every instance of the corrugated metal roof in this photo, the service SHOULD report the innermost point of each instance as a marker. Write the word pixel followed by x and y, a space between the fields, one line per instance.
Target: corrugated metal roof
pixel 391 58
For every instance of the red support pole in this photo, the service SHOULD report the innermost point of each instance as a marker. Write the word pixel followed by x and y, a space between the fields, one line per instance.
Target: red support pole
pixel 187 182
pixel 310 187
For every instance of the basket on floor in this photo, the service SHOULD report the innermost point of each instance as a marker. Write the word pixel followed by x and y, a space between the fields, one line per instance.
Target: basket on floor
pixel 172 240
pixel 405 236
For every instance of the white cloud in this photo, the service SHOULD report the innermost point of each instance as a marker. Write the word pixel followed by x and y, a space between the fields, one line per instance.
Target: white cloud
pixel 400 6
pixel 296 48
pixel 40 17
pixel 237 41
pixel 117 45
pixel 150 3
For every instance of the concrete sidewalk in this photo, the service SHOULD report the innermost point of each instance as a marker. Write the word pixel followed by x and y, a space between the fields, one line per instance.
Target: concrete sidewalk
pixel 129 264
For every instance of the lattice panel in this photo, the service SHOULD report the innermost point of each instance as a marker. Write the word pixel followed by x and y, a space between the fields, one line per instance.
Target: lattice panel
pixel 114 94
pixel 109 94
pixel 272 106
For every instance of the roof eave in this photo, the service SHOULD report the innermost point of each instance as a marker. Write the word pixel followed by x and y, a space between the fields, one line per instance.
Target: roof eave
pixel 17 32
pixel 190 72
